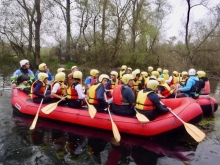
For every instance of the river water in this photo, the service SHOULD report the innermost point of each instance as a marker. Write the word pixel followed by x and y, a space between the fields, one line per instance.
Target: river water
pixel 55 143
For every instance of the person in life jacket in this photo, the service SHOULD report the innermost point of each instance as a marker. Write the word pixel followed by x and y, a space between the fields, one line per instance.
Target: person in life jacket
pixel 173 79
pixel 23 77
pixel 148 102
pixel 165 74
pixel 128 70
pixel 38 89
pixel 206 90
pixel 164 90
pixel 159 70
pixel 188 88
pixel 97 94
pixel 111 83
pixel 122 71
pixel 58 91
pixel 156 74
pixel 42 68
pixel 145 79
pixel 149 70
pixel 123 97
pixel 184 78
pixel 61 70
pixel 137 81
pixel 74 91
pixel 92 79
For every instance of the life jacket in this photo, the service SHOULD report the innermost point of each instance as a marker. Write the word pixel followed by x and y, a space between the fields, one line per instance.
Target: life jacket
pixel 60 91
pixel 206 89
pixel 71 92
pixel 165 76
pixel 143 102
pixel 167 92
pixel 41 90
pixel 182 80
pixel 117 96
pixel 113 83
pixel 136 83
pixel 121 73
pixel 174 80
pixel 92 94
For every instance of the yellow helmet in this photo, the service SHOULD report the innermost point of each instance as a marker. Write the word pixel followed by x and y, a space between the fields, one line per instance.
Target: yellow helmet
pixel 102 76
pixel 114 73
pixel 123 67
pixel 155 73
pixel 175 73
pixel 152 84
pixel 126 78
pixel 159 70
pixel 150 68
pixel 138 70
pixel 60 70
pixel 129 68
pixel 93 72
pixel 145 74
pixel 77 75
pixel 165 71
pixel 184 73
pixel 73 67
pixel 135 73
pixel 41 76
pixel 201 74
pixel 41 66
pixel 161 80
pixel 60 76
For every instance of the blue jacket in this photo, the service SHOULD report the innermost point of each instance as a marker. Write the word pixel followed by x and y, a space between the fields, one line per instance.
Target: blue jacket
pixel 190 82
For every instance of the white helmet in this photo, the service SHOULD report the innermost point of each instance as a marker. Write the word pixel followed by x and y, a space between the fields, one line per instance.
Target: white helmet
pixel 23 62
pixel 192 72
pixel 102 76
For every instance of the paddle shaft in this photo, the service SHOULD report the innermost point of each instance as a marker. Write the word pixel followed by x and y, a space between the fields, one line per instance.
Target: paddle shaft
pixel 12 88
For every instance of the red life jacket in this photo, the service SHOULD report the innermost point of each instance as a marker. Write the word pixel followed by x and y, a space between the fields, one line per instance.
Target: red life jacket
pixel 113 83
pixel 117 96
pixel 71 92
pixel 167 92
pixel 206 89
pixel 60 91
pixel 41 90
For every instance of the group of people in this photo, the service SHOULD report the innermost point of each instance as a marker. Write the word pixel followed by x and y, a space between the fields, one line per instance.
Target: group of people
pixel 125 93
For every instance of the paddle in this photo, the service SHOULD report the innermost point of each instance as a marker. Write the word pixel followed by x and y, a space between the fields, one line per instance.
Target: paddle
pixel 116 133
pixel 142 118
pixel 91 109
pixel 37 114
pixel 196 133
pixel 50 107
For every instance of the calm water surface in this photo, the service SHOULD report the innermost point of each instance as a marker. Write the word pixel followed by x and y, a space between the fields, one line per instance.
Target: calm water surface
pixel 54 143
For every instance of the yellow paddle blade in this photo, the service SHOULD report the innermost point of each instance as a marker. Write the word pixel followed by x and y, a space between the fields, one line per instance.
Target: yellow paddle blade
pixel 196 133
pixel 49 108
pixel 92 110
pixel 34 121
pixel 141 117
pixel 116 133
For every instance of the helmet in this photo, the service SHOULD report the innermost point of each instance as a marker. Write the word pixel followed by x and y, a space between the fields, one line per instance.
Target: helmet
pixel 161 80
pixel 135 73
pixel 159 69
pixel 153 78
pixel 137 70
pixel 185 73
pixel 126 78
pixel 145 74
pixel 73 67
pixel 129 69
pixel 192 72
pixel 23 62
pixel 124 67
pixel 165 71
pixel 93 72
pixel 150 68
pixel 41 66
pixel 102 76
pixel 152 84
pixel 77 74
pixel 60 76
pixel 114 73
pixel 201 74
pixel 175 73
pixel 60 70
pixel 155 73
pixel 41 76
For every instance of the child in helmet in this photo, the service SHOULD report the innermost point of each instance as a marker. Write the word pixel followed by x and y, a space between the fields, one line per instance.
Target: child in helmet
pixel 59 88
pixel 112 83
pixel 38 89
pixel 148 102
pixel 97 94
pixel 74 92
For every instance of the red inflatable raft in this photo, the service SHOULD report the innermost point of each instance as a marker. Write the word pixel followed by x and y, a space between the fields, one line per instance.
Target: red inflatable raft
pixel 186 108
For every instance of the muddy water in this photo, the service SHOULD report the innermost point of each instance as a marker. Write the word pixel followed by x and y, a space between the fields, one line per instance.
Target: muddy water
pixel 54 143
